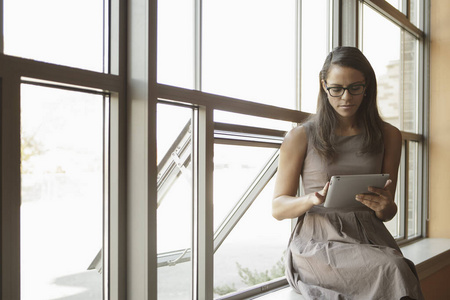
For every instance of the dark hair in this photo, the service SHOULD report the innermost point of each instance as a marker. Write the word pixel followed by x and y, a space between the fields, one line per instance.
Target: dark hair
pixel 325 121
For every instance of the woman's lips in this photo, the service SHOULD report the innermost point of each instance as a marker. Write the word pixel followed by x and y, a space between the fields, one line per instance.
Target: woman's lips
pixel 346 106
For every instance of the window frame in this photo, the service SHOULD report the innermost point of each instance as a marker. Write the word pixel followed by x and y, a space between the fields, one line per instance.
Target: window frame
pixel 401 20
pixel 13 72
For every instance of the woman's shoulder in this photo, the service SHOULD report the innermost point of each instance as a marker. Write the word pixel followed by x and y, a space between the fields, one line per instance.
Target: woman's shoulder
pixel 295 144
pixel 297 136
pixel 391 135
pixel 391 132
pixel 299 132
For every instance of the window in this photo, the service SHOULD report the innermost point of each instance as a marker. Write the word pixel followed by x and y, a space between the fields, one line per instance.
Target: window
pixel 140 138
pixel 175 201
pixel 246 53
pixel 248 50
pixel 61 221
pixel 60 32
pixel 399 100
pixel 248 242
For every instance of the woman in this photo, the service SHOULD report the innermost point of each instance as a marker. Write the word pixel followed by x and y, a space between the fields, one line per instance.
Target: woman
pixel 343 253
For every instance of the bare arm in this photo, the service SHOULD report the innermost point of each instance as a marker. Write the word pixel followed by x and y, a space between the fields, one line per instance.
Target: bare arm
pixel 383 202
pixel 285 204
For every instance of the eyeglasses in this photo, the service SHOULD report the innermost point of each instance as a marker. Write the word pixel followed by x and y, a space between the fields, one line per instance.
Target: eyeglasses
pixel 353 89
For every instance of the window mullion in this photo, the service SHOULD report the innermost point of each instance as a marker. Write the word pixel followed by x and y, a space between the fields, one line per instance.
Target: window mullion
pixel 142 171
pixel 348 15
pixel 203 250
pixel 298 54
pixel 198 45
pixel 405 196
pixel 10 187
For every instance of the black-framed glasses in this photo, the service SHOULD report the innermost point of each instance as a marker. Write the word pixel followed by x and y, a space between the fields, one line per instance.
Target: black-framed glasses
pixel 353 89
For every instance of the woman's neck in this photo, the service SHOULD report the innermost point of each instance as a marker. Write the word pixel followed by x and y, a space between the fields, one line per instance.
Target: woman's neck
pixel 347 128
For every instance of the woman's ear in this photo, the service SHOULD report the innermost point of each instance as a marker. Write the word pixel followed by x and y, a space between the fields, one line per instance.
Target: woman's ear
pixel 324 86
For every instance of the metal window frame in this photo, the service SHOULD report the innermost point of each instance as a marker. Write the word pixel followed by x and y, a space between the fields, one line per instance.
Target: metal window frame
pixel 228 134
pixel 401 20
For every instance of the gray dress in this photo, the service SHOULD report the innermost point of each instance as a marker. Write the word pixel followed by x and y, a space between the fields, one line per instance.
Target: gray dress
pixel 346 253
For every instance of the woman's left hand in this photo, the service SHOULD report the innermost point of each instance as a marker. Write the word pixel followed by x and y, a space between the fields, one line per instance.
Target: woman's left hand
pixel 380 200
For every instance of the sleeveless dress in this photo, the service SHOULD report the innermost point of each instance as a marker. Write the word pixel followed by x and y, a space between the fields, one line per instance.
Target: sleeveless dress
pixel 346 253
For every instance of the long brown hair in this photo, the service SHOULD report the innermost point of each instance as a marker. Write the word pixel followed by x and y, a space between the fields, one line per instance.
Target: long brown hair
pixel 325 121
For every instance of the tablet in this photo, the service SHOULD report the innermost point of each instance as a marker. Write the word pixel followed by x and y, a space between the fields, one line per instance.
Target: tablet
pixel 344 188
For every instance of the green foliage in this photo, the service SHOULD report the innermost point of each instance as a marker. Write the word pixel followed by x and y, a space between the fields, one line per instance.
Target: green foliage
pixel 29 147
pixel 224 289
pixel 254 277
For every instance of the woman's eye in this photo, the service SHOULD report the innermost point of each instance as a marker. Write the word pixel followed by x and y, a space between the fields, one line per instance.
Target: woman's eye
pixel 336 90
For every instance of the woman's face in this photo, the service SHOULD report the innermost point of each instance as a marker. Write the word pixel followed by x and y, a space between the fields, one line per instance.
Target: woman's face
pixel 346 105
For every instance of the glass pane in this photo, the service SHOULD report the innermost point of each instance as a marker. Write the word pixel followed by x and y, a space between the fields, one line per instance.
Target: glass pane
pixel 385 61
pixel 396 68
pixel 410 95
pixel 236 167
pixel 395 3
pixel 62 194
pixel 248 50
pixel 66 32
pixel 413 202
pixel 176 43
pixel 254 250
pixel 174 215
pixel 415 11
pixel 315 45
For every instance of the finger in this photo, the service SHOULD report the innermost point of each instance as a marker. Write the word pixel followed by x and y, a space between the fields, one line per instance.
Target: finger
pixel 325 188
pixel 367 198
pixel 388 182
pixel 320 196
pixel 379 191
pixel 324 191
pixel 369 201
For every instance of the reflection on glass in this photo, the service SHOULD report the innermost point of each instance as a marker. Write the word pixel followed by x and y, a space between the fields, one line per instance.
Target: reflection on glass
pixel 66 32
pixel 174 214
pixel 62 194
pixel 176 43
pixel 248 50
pixel 315 45
pixel 396 68
pixel 255 248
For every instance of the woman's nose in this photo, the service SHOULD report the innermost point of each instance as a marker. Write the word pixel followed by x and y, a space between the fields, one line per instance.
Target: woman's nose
pixel 346 95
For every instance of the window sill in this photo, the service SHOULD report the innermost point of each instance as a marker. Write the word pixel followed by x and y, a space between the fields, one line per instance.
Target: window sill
pixel 429 256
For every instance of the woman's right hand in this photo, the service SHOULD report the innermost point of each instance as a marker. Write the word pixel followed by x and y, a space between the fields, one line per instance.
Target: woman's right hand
pixel 319 197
